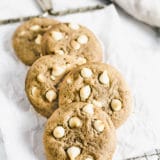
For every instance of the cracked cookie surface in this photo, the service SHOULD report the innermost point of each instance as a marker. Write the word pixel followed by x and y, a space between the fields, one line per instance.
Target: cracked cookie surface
pixel 79 131
pixel 101 85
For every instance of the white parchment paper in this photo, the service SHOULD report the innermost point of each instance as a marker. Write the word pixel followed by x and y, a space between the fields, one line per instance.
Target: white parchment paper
pixel 132 47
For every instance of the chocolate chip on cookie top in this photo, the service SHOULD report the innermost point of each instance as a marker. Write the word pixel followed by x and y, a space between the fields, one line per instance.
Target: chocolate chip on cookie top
pixel 43 78
pixel 80 131
pixel 28 37
pixel 72 39
pixel 101 85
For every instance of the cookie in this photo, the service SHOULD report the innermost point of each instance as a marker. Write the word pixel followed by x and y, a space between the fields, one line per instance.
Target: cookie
pixel 72 39
pixel 43 78
pixel 79 131
pixel 99 84
pixel 27 38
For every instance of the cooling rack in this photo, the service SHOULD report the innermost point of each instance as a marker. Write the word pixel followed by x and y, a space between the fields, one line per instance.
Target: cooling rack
pixel 47 10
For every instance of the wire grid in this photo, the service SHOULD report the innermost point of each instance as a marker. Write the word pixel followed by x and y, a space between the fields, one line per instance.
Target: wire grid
pixel 153 155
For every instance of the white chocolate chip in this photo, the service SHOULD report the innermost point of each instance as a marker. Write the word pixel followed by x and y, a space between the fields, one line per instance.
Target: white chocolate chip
pixel 69 66
pixel 41 78
pixel 22 33
pixel 69 81
pixel 74 26
pixel 103 78
pixel 83 39
pixel 38 39
pixel 57 35
pixel 89 109
pixel 53 78
pixel 58 70
pixel 97 103
pixel 99 125
pixel 89 158
pixel 48 27
pixel 60 52
pixel 51 95
pixel 35 28
pixel 59 132
pixel 75 122
pixel 116 105
pixel 34 91
pixel 86 72
pixel 81 60
pixel 73 152
pixel 85 92
pixel 75 45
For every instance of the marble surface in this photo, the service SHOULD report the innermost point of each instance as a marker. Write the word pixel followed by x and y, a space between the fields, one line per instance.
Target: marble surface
pixel 132 47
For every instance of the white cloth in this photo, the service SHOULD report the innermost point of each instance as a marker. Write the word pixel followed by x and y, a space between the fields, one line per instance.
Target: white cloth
pixel 147 11
pixel 131 47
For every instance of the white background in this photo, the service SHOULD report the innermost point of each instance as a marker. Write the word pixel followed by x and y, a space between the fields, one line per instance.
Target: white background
pixel 132 47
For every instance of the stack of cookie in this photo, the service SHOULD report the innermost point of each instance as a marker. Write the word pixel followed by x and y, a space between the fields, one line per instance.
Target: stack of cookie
pixel 83 98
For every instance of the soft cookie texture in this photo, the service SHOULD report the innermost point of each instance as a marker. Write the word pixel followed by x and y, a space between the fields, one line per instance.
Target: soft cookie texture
pixel 27 38
pixel 73 133
pixel 99 84
pixel 72 39
pixel 43 78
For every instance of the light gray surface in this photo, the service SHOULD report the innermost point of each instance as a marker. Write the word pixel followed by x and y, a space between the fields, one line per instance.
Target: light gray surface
pixel 2 148
pixel 129 45
pixel 147 11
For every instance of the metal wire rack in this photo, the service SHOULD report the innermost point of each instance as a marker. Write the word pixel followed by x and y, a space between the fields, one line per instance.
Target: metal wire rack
pixel 47 8
pixel 153 155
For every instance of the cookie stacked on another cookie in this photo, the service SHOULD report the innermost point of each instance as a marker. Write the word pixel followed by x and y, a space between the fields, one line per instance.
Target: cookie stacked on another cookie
pixel 79 131
pixel 43 78
pixel 99 84
pixel 84 99
pixel 27 38
pixel 72 39
pixel 42 36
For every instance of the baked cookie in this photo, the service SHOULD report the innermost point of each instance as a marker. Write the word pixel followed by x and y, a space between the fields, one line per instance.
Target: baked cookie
pixel 27 38
pixel 42 80
pixel 99 84
pixel 71 39
pixel 79 131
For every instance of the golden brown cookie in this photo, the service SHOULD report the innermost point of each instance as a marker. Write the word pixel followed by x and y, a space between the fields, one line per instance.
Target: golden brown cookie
pixel 79 131
pixel 27 38
pixel 72 39
pixel 99 84
pixel 43 78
